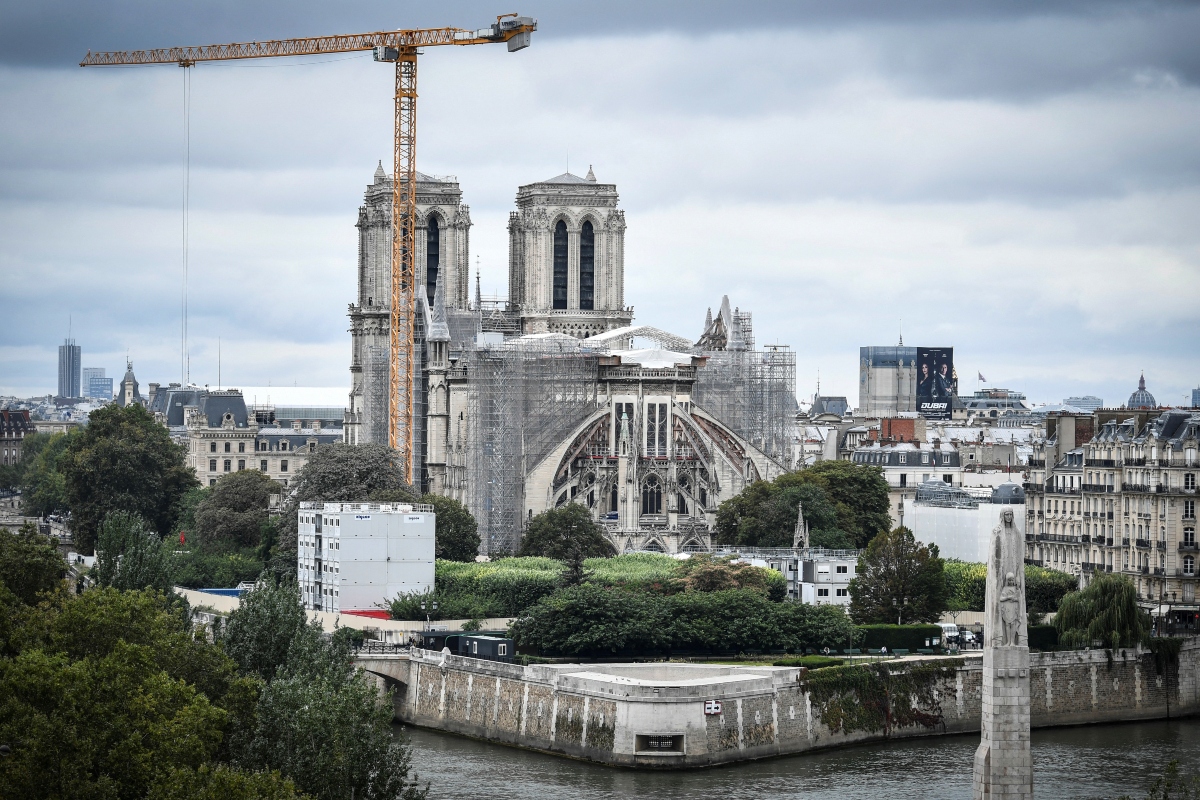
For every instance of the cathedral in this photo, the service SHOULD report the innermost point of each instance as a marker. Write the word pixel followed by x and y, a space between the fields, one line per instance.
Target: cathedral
pixel 555 396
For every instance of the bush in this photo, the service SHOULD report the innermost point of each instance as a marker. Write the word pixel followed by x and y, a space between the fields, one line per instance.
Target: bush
pixel 197 569
pixel 1043 637
pixel 809 662
pixel 1045 589
pixel 966 583
pixel 908 637
pixel 590 620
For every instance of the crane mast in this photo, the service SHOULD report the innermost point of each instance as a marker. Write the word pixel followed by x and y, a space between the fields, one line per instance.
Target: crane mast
pixel 401 47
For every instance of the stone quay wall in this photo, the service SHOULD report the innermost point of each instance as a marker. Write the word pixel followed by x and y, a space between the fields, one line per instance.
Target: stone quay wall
pixel 654 715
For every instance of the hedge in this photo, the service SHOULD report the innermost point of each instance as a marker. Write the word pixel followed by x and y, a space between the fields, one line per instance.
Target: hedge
pixel 591 620
pixel 907 637
pixel 966 583
pixel 1043 637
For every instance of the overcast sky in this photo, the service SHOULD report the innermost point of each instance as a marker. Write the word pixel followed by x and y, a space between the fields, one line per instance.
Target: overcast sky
pixel 1020 181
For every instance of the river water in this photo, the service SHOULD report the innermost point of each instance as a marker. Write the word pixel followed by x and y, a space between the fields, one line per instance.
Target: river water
pixel 1087 762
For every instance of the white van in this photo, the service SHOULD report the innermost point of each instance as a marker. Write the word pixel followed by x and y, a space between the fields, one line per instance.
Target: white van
pixel 949 632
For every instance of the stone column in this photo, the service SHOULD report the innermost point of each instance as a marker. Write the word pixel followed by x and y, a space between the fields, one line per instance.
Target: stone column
pixel 1003 766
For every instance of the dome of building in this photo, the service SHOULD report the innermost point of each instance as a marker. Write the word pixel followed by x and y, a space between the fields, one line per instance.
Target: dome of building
pixel 1008 494
pixel 1141 398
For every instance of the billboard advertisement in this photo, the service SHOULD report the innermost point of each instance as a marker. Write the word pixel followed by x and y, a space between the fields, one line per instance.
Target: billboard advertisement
pixel 937 383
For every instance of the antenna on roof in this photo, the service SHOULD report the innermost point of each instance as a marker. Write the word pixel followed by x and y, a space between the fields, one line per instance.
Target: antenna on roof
pixel 901 332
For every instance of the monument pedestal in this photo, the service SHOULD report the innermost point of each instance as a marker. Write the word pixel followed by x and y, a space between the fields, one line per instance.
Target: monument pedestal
pixel 1003 764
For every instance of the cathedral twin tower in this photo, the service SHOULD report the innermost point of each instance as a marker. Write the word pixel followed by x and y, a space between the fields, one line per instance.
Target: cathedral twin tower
pixel 566 274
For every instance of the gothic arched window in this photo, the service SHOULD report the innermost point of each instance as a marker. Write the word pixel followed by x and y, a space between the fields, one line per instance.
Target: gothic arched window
pixel 560 265
pixel 651 496
pixel 432 255
pixel 587 267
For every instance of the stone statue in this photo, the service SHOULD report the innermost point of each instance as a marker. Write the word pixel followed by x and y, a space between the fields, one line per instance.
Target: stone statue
pixel 1003 764
pixel 1010 611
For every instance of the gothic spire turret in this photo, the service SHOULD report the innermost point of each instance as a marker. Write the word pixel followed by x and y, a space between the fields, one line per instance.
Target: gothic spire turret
pixel 438 330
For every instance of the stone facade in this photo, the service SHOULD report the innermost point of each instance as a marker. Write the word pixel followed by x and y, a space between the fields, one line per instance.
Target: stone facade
pixel 442 252
pixel 609 712
pixel 566 257
pixel 1116 492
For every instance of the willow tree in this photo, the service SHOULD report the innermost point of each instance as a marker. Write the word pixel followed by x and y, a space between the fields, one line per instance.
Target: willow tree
pixel 1104 613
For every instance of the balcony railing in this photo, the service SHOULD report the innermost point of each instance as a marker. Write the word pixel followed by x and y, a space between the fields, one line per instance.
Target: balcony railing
pixel 1097 487
pixel 1189 547
pixel 1143 543
pixel 1135 487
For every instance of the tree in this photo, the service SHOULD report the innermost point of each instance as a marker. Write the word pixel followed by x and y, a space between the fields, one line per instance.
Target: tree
pixel 260 632
pixel 898 580
pixel 223 782
pixel 831 540
pixel 122 461
pixel 341 473
pixel 1104 612
pixel 859 492
pixel 836 496
pixel 43 489
pixel 130 557
pixel 561 532
pixel 107 693
pixel 457 531
pixel 233 512
pixel 29 563
pixel 319 720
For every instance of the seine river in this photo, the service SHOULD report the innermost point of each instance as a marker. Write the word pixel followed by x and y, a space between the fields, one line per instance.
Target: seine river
pixel 1089 762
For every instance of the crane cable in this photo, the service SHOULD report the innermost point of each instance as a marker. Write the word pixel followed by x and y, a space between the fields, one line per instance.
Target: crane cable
pixel 187 180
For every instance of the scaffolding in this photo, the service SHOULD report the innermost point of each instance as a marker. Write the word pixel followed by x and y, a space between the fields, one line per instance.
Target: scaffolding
pixel 753 392
pixel 523 398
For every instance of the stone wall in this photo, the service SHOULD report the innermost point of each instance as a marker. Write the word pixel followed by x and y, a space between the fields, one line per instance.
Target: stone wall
pixel 604 713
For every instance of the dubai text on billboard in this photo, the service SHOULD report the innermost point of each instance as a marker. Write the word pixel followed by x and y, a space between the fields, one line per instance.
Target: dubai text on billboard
pixel 937 383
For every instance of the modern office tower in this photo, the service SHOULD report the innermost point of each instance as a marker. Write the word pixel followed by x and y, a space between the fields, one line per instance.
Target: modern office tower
pixel 69 359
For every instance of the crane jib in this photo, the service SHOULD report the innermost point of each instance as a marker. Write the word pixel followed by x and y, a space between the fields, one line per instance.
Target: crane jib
pixel 321 45
pixel 400 47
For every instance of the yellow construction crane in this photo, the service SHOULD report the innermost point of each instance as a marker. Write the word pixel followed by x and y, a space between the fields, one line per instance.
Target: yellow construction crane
pixel 400 47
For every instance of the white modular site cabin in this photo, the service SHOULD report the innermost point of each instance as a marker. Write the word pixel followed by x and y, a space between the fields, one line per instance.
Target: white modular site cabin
pixel 357 556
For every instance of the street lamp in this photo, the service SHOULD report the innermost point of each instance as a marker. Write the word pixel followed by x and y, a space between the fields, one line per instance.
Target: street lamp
pixel 432 607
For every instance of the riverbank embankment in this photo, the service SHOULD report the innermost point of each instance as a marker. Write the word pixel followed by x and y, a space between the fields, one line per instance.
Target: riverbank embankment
pixel 671 715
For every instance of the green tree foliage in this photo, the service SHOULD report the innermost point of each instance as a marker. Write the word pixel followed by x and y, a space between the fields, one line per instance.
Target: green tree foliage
pixel 505 588
pixel 860 494
pixel 1045 589
pixel 259 633
pixel 831 540
pixel 457 532
pixel 43 488
pixel 12 476
pixel 233 512
pixel 845 506
pixel 29 563
pixel 591 620
pixel 705 573
pixel 1103 613
pixel 185 512
pixel 966 584
pixel 560 532
pixel 321 723
pixel 898 580
pixel 223 782
pixel 340 473
pixel 107 693
pixel 128 556
pixel 122 461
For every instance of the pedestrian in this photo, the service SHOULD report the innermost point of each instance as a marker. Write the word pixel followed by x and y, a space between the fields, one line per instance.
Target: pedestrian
pixel 883 650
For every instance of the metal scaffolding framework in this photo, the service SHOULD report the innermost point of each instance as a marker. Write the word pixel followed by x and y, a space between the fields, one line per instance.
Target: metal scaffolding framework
pixel 753 392
pixel 524 397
